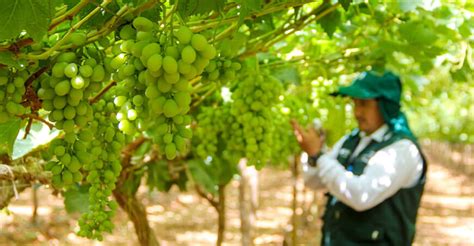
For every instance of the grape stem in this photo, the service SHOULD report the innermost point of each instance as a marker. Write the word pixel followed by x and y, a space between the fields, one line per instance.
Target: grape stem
pixel 36 117
pixel 201 98
pixel 48 53
pixel 102 92
pixel 69 14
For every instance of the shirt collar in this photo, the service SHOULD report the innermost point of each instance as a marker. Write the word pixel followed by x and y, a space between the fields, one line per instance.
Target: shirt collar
pixel 377 135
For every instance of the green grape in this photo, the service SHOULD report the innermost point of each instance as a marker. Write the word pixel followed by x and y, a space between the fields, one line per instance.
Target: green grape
pixel 172 51
pixel 183 67
pixel 71 70
pixel 170 151
pixel 67 57
pixel 69 112
pixel 142 24
pixel 154 62
pixel 168 138
pixel 77 82
pixel 67 177
pixel 180 143
pixel 171 78
pixel 138 100
pixel 127 32
pixel 183 34
pixel 62 88
pixel 199 42
pixel 68 126
pixel 118 61
pixel 58 69
pixel 131 114
pixel 188 54
pixel 59 102
pixel 208 52
pixel 182 98
pixel 169 65
pixel 86 70
pixel 59 150
pixel 98 75
pixel 164 86
pixel 170 108
pixel 149 50
pixel 78 38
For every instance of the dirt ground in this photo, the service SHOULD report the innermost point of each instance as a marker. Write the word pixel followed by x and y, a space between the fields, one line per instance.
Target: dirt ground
pixel 446 216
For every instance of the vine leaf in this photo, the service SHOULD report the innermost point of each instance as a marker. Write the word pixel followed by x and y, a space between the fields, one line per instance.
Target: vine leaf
pixel 330 22
pixel 199 174
pixel 345 4
pixel 32 16
pixel 191 7
pixel 77 199
pixel 8 132
pixel 7 58
pixel 40 134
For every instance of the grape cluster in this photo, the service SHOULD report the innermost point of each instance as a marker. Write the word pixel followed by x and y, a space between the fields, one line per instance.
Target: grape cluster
pixel 221 69
pixel 158 65
pixel 65 93
pixel 212 124
pixel 253 103
pixel 12 88
pixel 103 170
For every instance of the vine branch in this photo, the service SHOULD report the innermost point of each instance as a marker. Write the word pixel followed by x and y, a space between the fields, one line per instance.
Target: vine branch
pixel 102 92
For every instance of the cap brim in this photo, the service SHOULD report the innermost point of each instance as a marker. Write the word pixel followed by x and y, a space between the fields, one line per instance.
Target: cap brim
pixel 354 92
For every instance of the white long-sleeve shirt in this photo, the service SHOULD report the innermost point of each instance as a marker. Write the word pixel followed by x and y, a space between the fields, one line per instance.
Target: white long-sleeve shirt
pixel 390 169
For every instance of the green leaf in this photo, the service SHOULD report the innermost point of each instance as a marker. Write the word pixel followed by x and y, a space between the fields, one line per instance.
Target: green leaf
pixel 8 132
pixel 77 199
pixel 201 177
pixel 192 7
pixel 7 58
pixel 418 32
pixel 345 4
pixel 32 16
pixel 409 5
pixel 158 176
pixel 331 22
pixel 39 134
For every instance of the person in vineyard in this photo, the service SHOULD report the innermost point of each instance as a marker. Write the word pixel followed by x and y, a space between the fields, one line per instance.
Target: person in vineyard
pixel 375 175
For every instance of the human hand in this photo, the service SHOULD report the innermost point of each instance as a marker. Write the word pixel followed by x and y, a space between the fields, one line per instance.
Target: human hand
pixel 310 140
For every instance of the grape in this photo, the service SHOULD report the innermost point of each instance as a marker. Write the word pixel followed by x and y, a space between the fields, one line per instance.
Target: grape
pixel 170 65
pixel 127 32
pixel 78 38
pixel 86 71
pixel 170 108
pixel 184 34
pixel 62 88
pixel 170 151
pixel 188 54
pixel 142 24
pixel 77 82
pixel 199 42
pixel 154 62
pixel 70 70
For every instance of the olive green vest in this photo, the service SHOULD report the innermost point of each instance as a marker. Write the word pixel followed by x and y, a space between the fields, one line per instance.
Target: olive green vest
pixel 391 222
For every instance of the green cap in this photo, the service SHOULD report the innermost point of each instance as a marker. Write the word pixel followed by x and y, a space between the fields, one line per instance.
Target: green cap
pixel 372 85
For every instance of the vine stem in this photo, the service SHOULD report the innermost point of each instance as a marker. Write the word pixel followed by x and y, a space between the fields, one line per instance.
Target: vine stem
pixel 202 25
pixel 47 53
pixel 36 117
pixel 69 14
pixel 102 92
pixel 209 92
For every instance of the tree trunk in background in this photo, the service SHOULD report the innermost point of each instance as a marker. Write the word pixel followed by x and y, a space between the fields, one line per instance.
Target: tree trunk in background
pixel 248 201
pixel 137 214
pixel 294 218
pixel 221 214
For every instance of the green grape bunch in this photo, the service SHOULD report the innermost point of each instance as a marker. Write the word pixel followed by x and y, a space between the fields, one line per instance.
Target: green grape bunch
pixel 153 68
pixel 12 89
pixel 221 69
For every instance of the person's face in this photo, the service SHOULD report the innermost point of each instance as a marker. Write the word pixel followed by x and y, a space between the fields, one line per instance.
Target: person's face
pixel 368 115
